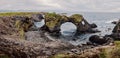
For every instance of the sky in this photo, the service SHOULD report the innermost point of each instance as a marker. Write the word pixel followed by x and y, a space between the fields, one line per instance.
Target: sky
pixel 62 5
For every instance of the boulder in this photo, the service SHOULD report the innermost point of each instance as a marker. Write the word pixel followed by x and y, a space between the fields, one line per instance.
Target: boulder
pixel 114 22
pixel 116 32
pixel 93 25
pixel 117 28
pixel 95 39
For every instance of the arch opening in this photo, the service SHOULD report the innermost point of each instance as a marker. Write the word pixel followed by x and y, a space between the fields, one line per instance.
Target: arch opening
pixel 39 24
pixel 68 29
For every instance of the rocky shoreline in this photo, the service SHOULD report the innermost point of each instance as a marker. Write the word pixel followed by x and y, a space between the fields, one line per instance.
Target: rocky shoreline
pixel 22 39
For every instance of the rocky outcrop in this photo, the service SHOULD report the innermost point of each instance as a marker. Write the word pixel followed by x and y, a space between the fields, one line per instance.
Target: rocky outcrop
pixel 15 48
pixel 18 25
pixel 97 40
pixel 93 25
pixel 117 28
pixel 38 44
pixel 116 32
pixel 115 36
pixel 53 22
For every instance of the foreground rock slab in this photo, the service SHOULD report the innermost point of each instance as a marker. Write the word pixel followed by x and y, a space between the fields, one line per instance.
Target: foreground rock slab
pixel 15 48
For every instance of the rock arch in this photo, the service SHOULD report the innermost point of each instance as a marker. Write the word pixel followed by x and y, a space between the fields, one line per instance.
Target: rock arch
pixel 68 27
pixel 53 22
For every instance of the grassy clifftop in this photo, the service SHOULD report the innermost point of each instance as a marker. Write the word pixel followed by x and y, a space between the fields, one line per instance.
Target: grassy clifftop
pixel 18 13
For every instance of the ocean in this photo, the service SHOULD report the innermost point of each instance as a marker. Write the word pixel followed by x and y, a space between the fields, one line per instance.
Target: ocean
pixel 102 20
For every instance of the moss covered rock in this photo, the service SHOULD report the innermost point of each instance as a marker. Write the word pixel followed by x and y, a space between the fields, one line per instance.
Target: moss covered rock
pixel 77 18
pixel 22 25
pixel 53 21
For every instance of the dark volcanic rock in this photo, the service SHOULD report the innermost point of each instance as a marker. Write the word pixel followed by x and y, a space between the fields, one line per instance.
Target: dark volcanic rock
pixel 93 25
pixel 93 31
pixel 116 32
pixel 53 22
pixel 114 22
pixel 117 28
pixel 116 36
pixel 95 39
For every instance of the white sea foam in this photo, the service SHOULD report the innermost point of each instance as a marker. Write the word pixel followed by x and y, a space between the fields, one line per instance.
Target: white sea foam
pixel 110 21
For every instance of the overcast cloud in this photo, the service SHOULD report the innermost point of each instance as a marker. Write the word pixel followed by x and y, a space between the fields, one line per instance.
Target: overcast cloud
pixel 62 5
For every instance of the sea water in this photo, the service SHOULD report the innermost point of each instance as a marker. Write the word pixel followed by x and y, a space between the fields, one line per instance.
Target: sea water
pixel 102 20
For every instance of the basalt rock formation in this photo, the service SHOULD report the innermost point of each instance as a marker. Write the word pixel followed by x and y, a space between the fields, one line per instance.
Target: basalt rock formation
pixel 116 31
pixel 97 40
pixel 18 25
pixel 15 27
pixel 53 22
pixel 117 28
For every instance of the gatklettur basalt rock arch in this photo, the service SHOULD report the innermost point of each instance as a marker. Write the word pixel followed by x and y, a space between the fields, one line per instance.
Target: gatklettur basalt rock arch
pixel 53 22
